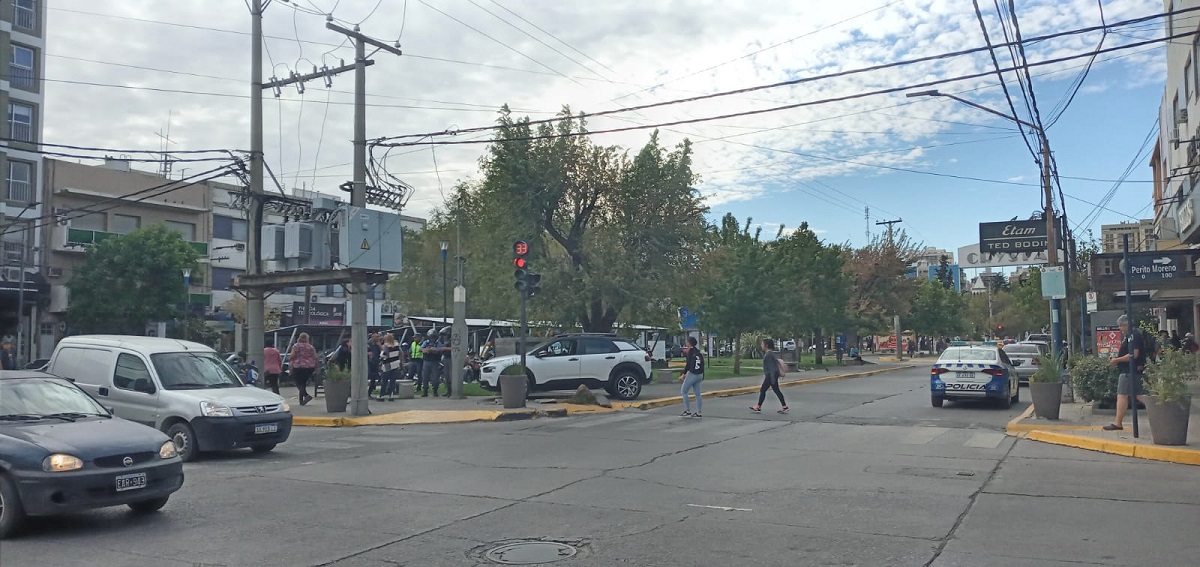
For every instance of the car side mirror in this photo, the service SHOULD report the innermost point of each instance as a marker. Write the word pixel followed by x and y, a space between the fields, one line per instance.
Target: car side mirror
pixel 1016 363
pixel 540 354
pixel 109 410
pixel 143 385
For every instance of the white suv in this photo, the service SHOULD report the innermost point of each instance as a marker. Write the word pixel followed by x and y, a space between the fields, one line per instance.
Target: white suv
pixel 567 361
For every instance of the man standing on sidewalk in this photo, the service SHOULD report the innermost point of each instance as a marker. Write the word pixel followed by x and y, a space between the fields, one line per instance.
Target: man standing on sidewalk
pixel 1129 361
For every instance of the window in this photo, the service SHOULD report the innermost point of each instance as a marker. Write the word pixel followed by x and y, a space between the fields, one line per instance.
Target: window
pixel 20 72
pixel 594 345
pixel 562 347
pixel 1196 59
pixel 1188 87
pixel 25 14
pixel 90 221
pixel 129 370
pixel 1175 110
pixel 19 185
pixel 46 328
pixel 125 224
pixel 223 277
pixel 229 228
pixel 14 252
pixel 20 122
pixel 185 229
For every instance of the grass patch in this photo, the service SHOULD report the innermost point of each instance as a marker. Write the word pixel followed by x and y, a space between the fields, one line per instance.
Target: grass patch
pixel 721 367
pixel 474 389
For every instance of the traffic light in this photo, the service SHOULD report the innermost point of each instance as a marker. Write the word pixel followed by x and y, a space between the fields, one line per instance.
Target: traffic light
pixel 999 328
pixel 521 263
pixel 532 283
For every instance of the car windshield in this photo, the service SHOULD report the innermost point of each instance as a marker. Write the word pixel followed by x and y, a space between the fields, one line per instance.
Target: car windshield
pixel 968 353
pixel 1022 349
pixel 193 370
pixel 44 396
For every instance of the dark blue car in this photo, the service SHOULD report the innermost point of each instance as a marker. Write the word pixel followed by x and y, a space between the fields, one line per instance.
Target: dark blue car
pixel 61 451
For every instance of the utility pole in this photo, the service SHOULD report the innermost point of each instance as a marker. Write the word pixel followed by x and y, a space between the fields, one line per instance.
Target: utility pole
pixel 358 198
pixel 254 215
pixel 896 317
pixel 1051 246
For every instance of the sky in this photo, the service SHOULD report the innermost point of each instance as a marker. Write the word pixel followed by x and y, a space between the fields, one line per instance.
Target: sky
pixel 121 73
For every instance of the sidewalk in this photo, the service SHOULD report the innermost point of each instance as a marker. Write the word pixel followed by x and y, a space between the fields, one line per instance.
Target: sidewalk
pixel 1078 427
pixel 547 404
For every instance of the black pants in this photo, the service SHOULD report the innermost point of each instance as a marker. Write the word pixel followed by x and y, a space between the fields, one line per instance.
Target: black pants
pixel 770 383
pixel 302 376
pixel 272 382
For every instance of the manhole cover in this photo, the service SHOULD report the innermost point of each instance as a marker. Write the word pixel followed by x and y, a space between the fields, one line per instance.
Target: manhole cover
pixel 530 552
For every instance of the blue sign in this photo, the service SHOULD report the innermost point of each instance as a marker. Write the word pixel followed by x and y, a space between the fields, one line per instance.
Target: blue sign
pixel 689 320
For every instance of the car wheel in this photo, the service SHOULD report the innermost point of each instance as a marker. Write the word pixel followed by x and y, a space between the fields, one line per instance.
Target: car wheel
pixel 147 506
pixel 625 385
pixel 185 440
pixel 1007 401
pixel 938 401
pixel 1016 399
pixel 265 448
pixel 11 512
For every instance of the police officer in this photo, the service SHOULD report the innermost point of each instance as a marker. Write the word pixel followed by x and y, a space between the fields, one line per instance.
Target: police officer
pixel 431 355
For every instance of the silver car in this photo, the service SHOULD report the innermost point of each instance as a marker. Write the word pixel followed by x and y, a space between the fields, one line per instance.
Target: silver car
pixel 1024 357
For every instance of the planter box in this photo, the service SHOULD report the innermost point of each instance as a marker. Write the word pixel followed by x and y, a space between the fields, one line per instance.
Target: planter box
pixel 1169 421
pixel 1047 398
pixel 337 394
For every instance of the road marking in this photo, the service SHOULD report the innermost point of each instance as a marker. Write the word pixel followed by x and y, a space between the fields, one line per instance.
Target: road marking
pixel 723 508
pixel 985 440
pixel 328 445
pixel 923 435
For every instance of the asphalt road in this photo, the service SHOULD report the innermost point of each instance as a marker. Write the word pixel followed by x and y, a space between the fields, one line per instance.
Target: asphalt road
pixel 861 472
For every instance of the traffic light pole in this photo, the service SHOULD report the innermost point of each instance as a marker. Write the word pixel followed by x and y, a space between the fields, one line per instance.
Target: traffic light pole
pixel 524 329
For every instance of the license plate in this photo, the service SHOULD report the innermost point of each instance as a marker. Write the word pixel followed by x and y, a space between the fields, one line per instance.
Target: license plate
pixel 262 428
pixel 132 481
pixel 966 375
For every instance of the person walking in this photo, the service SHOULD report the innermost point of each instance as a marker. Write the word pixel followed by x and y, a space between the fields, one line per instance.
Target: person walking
pixel 374 348
pixel 1129 361
pixel 771 372
pixel 693 374
pixel 303 358
pixel 272 366
pixel 391 360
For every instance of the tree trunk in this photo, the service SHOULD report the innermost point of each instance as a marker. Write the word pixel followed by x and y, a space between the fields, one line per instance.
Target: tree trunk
pixel 820 342
pixel 737 354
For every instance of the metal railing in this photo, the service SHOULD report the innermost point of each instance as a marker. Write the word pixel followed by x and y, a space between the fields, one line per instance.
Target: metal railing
pixel 22 77
pixel 25 14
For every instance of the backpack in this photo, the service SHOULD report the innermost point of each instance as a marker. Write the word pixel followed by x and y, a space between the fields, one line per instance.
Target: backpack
pixel 782 367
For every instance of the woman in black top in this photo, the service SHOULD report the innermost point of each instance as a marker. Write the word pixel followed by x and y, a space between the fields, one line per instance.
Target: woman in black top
pixel 770 378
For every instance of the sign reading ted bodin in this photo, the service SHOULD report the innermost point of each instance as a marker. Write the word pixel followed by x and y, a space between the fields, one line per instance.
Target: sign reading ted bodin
pixel 1012 236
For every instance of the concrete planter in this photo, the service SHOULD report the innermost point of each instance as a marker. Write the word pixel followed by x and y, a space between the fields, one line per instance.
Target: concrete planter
pixel 337 394
pixel 667 375
pixel 1168 421
pixel 512 391
pixel 405 389
pixel 1047 398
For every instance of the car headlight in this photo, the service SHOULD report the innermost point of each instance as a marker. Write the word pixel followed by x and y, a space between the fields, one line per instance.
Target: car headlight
pixel 60 462
pixel 286 407
pixel 213 409
pixel 168 450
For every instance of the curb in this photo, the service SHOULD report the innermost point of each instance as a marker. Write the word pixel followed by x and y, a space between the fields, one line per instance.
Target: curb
pixel 428 417
pixel 1060 435
pixel 663 402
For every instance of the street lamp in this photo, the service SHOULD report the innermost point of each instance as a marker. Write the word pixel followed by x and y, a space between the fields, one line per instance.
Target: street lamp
pixel 445 245
pixel 240 246
pixel 1051 240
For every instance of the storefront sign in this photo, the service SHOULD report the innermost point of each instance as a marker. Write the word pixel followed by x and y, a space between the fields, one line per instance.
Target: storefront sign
pixel 1108 341
pixel 325 314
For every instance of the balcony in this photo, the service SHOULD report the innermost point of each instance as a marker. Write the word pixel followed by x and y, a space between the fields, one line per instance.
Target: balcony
pixel 22 78
pixel 25 15
pixel 78 237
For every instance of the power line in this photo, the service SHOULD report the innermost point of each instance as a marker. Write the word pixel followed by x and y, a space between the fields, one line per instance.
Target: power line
pixel 1000 76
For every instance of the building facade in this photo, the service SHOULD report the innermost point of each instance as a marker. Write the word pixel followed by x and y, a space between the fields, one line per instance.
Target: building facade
pixel 1141 236
pixel 22 289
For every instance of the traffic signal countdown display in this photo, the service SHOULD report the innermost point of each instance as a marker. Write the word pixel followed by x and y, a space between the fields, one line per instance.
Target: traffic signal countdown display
pixel 527 282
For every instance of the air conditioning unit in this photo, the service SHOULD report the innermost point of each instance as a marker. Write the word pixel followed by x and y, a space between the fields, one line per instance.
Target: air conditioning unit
pixel 54 272
pixel 1175 136
pixel 1181 115
pixel 12 274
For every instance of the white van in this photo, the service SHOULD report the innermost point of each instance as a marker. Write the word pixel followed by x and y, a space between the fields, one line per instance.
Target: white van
pixel 181 388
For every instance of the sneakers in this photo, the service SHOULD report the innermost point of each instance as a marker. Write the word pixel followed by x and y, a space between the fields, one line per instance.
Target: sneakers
pixel 784 409
pixel 686 413
pixel 697 415
pixel 756 409
pixel 1113 427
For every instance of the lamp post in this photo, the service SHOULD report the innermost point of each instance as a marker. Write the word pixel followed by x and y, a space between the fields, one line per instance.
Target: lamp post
pixel 445 245
pixel 187 299
pixel 1056 335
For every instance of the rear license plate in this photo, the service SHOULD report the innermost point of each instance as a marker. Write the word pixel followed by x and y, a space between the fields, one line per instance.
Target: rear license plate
pixel 966 375
pixel 263 428
pixel 132 481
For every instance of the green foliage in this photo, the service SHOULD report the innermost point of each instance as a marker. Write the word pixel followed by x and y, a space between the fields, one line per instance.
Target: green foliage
pixel 811 288
pixel 1093 378
pixel 937 310
pixel 335 374
pixel 128 281
pixel 878 288
pixel 737 294
pixel 944 275
pixel 1168 379
pixel 513 370
pixel 195 330
pixel 1050 369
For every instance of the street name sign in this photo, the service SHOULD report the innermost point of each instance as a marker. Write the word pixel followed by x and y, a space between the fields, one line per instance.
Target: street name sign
pixel 1170 269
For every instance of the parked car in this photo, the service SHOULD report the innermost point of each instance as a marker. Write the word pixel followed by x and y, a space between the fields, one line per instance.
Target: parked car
pixel 568 361
pixel 62 452
pixel 789 345
pixel 1024 357
pixel 38 364
pixel 974 372
pixel 181 388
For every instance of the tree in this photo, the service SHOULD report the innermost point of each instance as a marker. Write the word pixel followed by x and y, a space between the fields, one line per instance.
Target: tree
pixel 812 289
pixel 128 281
pixel 736 293
pixel 611 236
pixel 937 311
pixel 192 328
pixel 879 288
pixel 944 274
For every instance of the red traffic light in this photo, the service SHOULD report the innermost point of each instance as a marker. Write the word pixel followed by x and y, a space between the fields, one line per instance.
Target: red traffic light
pixel 519 263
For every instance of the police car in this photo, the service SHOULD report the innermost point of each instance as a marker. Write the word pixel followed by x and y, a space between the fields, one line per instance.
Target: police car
pixel 974 372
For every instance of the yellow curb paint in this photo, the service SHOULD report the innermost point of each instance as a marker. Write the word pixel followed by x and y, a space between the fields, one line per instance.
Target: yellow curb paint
pixel 1016 420
pixel 1185 456
pixel 410 417
pixel 574 409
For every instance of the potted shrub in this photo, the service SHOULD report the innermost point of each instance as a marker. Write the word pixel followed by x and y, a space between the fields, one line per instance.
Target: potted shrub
pixel 513 381
pixel 337 389
pixel 1095 381
pixel 1045 386
pixel 1169 401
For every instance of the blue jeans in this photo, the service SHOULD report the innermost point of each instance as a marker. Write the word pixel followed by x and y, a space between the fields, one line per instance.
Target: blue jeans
pixel 388 387
pixel 692 382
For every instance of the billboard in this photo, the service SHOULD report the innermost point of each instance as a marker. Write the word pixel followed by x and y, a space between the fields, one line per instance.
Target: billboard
pixel 1014 236
pixel 971 257
pixel 1108 341
pixel 325 314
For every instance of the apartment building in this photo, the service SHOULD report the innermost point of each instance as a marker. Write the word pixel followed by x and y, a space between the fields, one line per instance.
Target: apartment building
pixel 1141 236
